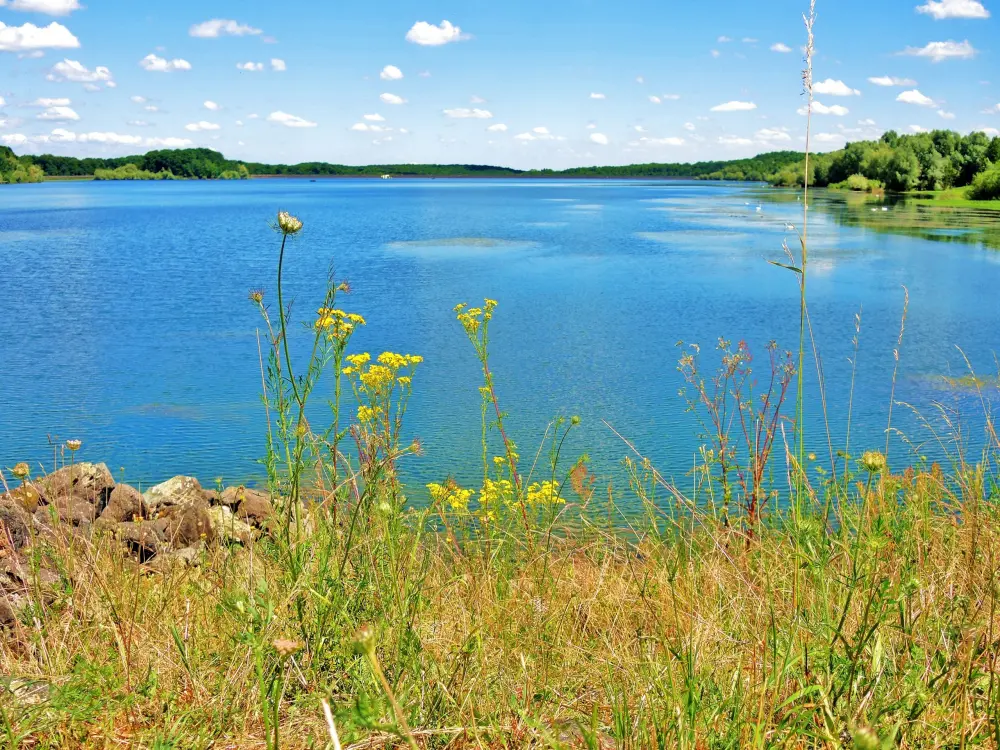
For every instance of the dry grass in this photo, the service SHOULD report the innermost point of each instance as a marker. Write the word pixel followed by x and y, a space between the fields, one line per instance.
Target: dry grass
pixel 686 635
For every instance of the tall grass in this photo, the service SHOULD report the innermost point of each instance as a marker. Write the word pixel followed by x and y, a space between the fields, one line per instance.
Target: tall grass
pixel 850 605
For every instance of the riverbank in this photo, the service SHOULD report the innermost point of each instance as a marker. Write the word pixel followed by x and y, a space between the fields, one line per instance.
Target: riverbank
pixel 870 617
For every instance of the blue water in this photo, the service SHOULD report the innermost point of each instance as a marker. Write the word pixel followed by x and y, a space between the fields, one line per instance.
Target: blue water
pixel 125 321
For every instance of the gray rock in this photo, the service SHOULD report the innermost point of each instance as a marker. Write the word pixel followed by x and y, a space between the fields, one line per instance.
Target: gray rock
pixel 125 504
pixel 145 539
pixel 186 525
pixel 228 527
pixel 187 557
pixel 178 492
pixel 72 510
pixel 90 482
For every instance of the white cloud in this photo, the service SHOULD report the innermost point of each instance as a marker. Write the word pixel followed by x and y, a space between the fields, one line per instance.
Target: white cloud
pixel 915 97
pixel 992 132
pixel 390 73
pixel 151 108
pixel 476 100
pixel 595 95
pixel 732 140
pixel 891 81
pixel 670 141
pixel 73 70
pixel 640 79
pixel 690 126
pixel 250 67
pixel 670 97
pixel 638 128
pixel 772 135
pixel 46 102
pixel 31 37
pixel 828 137
pixel 724 40
pixel 169 142
pixel 424 74
pixel 541 130
pixel 375 118
pixel 750 40
pixel 939 51
pixel 253 116
pixel 919 129
pixel 464 113
pixel 138 99
pixel 392 99
pixel 363 127
pixel 137 124
pixel 716 53
pixel 941 9
pixel 210 105
pixel 867 123
pixel 360 127
pixel 599 138
pixel 221 27
pixel 946 115
pixel 498 128
pixel 59 113
pixel 833 87
pixel 993 110
pixel 429 35
pixel 734 106
pixel 48 7
pixel 197 127
pixel 239 123
pixel 779 47
pixel 156 64
pixel 289 121
pixel 655 99
pixel 14 139
pixel 819 108
pixel 278 65
pixel 540 133
pixel 32 55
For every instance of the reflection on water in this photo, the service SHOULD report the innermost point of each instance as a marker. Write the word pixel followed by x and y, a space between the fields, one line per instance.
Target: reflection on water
pixel 901 215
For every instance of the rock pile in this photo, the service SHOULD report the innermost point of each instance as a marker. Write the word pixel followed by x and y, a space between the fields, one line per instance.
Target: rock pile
pixel 167 525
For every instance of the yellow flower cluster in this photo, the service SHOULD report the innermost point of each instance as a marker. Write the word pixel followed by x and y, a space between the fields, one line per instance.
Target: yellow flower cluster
pixel 456 497
pixel 337 323
pixel 399 361
pixel 376 377
pixel 366 414
pixel 496 491
pixel 472 318
pixel 544 493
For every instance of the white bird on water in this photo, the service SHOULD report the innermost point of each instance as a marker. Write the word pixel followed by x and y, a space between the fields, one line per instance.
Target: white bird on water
pixel 759 209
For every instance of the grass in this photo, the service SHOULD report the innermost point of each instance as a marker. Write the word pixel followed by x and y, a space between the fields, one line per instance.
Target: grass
pixel 953 198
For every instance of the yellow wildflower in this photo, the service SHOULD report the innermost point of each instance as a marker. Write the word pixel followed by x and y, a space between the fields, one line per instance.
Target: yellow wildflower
pixel 359 360
pixel 873 462
pixel 288 224
pixel 376 377
pixel 73 445
pixel 405 381
pixel 21 470
pixel 456 497
pixel 366 414
pixel 544 493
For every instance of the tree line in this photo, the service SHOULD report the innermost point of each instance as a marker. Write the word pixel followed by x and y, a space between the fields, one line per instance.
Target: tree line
pixel 938 160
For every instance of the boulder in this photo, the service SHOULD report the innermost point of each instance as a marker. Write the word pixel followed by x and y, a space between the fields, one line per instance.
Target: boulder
pixel 124 504
pixel 179 492
pixel 186 525
pixel 255 508
pixel 228 527
pixel 90 482
pixel 145 539
pixel 28 496
pixel 188 557
pixel 15 525
pixel 67 509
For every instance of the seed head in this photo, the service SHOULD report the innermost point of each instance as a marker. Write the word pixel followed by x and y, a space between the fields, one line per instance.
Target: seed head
pixel 344 286
pixel 364 640
pixel 286 647
pixel 73 445
pixel 256 296
pixel 874 462
pixel 288 224
pixel 22 471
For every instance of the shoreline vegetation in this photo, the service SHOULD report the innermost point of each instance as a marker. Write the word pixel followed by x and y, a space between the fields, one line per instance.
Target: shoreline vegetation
pixel 941 168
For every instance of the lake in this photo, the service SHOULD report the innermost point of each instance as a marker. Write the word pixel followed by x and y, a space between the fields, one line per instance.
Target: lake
pixel 126 323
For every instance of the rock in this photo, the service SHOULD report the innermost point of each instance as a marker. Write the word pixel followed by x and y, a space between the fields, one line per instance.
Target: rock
pixel 25 692
pixel 8 616
pixel 15 525
pixel 255 508
pixel 90 482
pixel 187 525
pixel 179 492
pixel 187 557
pixel 228 527
pixel 72 510
pixel 27 496
pixel 145 539
pixel 124 504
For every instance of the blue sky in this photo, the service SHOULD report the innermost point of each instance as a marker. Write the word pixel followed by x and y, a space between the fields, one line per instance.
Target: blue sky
pixel 527 84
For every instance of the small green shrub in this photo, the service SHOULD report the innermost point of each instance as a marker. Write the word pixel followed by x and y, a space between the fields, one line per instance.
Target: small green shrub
pixel 986 185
